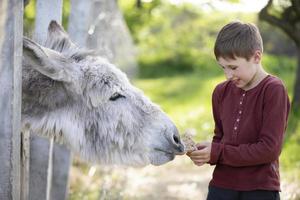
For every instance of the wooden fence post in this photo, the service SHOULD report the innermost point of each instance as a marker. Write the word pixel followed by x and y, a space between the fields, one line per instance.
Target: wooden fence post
pixel 25 159
pixel 49 162
pixel 11 31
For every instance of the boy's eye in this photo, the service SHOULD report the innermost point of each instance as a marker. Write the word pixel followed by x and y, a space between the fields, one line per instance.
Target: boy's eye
pixel 233 67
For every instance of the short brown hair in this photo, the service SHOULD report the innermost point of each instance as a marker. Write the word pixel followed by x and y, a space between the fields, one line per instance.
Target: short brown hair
pixel 238 39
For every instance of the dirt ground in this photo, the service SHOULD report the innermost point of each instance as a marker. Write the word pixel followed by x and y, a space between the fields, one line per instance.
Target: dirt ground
pixel 176 180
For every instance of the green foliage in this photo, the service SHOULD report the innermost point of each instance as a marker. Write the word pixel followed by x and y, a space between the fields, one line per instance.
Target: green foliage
pixel 175 39
pixel 135 17
pixel 290 158
pixel 29 17
pixel 283 67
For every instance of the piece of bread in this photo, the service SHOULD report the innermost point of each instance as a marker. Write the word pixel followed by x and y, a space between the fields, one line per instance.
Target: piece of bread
pixel 188 142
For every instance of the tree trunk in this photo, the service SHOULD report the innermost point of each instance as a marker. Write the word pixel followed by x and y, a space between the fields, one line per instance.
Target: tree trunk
pixel 296 98
pixel 139 4
pixel 99 25
pixel 79 19
pixel 109 36
pixel 295 108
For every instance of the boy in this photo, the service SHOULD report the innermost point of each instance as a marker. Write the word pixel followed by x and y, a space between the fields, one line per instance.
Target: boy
pixel 250 111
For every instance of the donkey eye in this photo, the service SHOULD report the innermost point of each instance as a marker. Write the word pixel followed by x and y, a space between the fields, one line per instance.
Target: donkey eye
pixel 116 96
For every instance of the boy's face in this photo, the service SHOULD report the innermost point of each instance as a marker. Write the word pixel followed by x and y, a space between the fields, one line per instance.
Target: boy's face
pixel 240 71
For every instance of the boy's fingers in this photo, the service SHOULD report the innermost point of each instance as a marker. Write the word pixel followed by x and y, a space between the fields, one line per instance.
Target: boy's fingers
pixel 189 153
pixel 203 151
pixel 206 159
pixel 199 163
pixel 202 145
pixel 199 157
pixel 199 152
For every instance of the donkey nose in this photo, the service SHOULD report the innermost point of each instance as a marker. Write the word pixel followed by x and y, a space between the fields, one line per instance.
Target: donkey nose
pixel 176 139
pixel 178 146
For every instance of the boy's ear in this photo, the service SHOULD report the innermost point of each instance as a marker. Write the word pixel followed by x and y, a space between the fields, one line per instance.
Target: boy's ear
pixel 48 62
pixel 257 56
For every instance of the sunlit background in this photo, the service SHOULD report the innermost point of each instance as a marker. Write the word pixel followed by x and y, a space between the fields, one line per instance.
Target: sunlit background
pixel 225 6
pixel 177 70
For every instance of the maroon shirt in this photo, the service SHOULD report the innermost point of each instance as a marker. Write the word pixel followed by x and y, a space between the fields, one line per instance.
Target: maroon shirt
pixel 249 129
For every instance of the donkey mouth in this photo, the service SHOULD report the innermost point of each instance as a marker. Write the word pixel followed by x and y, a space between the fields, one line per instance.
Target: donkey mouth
pixel 161 156
pixel 164 151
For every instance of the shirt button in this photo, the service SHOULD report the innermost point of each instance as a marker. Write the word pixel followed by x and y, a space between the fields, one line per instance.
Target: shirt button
pixel 240 112
pixel 244 94
pixel 238 120
pixel 235 128
pixel 241 102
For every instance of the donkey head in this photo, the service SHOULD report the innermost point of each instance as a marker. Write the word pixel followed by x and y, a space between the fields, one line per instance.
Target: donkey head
pixel 69 93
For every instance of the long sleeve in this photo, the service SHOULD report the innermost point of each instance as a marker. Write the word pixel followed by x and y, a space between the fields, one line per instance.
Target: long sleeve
pixel 218 131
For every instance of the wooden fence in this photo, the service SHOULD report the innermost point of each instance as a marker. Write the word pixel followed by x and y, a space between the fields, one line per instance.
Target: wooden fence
pixel 31 167
pixel 35 168
pixel 11 31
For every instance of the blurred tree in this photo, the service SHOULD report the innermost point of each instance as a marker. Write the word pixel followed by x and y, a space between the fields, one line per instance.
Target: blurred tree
pixel 139 3
pixel 278 43
pixel 26 2
pixel 109 36
pixel 285 14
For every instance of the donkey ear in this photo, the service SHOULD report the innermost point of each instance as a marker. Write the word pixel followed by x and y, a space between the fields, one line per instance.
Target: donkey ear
pixel 46 61
pixel 57 38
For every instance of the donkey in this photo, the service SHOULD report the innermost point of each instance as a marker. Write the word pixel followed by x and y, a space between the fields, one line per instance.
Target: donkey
pixel 89 104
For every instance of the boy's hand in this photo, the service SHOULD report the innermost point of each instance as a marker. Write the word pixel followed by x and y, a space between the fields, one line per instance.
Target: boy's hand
pixel 202 155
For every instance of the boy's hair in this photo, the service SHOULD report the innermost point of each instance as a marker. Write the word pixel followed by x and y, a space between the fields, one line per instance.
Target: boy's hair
pixel 238 39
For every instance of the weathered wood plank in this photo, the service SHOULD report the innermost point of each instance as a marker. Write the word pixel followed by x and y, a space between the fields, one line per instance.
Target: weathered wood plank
pixel 11 31
pixel 39 157
pixel 50 172
pixel 25 158
pixel 62 160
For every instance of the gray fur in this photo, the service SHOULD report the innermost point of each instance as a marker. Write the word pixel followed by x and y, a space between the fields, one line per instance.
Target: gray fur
pixel 91 106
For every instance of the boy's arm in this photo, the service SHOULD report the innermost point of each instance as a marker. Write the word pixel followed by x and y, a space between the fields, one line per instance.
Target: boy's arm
pixel 218 131
pixel 268 146
pixel 216 105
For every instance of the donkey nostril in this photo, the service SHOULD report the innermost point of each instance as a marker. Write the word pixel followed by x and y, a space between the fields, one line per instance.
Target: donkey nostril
pixel 176 139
